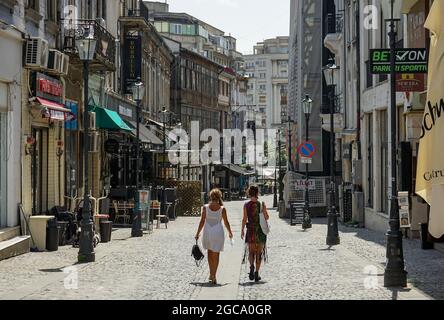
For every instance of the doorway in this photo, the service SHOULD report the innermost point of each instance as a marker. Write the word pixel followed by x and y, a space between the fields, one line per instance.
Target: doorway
pixel 39 171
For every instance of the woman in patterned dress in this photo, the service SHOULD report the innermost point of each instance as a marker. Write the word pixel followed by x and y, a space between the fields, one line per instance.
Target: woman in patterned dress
pixel 255 239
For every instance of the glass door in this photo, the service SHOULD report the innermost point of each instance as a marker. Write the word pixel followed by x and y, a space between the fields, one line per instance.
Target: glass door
pixel 39 171
pixel 3 156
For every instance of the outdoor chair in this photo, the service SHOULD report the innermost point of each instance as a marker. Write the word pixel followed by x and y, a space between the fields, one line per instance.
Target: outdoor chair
pixel 121 212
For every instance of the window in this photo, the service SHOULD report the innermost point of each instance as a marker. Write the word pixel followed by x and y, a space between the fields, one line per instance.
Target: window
pixel 162 26
pixel 262 87
pixel 176 28
pixel 261 63
pixel 263 99
pixel 33 4
pixel 51 10
pixel 283 63
pixel 262 75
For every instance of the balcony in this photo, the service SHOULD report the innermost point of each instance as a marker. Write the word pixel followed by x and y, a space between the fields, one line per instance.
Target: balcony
pixel 334 24
pixel 105 56
pixel 135 15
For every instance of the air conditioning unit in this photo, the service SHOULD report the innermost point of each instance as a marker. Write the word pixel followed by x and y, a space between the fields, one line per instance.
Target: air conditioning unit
pixel 55 61
pixel 37 53
pixel 94 142
pixel 92 121
pixel 65 64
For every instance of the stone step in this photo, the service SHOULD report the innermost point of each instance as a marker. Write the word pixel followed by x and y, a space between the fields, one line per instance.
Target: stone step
pixel 9 233
pixel 14 247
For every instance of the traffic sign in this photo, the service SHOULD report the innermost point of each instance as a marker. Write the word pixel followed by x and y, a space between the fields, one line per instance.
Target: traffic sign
pixel 306 150
pixel 306 160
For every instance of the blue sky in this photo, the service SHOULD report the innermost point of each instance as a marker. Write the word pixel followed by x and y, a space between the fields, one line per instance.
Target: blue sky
pixel 249 21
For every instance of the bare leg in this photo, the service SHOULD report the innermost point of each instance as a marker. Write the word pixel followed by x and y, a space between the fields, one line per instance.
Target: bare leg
pixel 259 249
pixel 251 253
pixel 216 263
pixel 211 263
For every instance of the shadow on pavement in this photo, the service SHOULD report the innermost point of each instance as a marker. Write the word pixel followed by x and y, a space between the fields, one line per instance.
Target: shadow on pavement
pixel 251 284
pixel 208 285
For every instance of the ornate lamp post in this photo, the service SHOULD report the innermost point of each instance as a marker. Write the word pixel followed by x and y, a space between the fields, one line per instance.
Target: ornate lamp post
pixel 275 198
pixel 164 118
pixel 331 72
pixel 394 274
pixel 307 106
pixel 86 48
pixel 138 91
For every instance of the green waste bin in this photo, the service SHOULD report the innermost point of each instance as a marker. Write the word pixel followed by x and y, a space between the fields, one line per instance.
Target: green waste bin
pixel 52 235
pixel 105 231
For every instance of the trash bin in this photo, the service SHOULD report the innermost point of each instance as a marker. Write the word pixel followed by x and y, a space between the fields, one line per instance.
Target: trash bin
pixel 425 243
pixel 52 235
pixel 63 232
pixel 105 231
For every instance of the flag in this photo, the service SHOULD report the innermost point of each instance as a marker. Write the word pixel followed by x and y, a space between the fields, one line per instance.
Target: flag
pixel 430 168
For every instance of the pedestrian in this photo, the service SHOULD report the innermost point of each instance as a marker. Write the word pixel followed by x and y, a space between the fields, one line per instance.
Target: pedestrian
pixel 256 239
pixel 213 238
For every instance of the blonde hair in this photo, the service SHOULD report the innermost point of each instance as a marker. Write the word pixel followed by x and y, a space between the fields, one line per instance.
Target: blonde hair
pixel 215 195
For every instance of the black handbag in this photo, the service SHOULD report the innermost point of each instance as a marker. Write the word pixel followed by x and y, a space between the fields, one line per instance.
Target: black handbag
pixel 197 254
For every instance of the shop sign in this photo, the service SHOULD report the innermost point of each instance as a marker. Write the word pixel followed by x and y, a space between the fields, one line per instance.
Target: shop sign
pixel 73 106
pixel 47 87
pixel 127 112
pixel 407 61
pixel 112 146
pixel 404 209
pixel 410 82
pixel 132 61
pixel 300 185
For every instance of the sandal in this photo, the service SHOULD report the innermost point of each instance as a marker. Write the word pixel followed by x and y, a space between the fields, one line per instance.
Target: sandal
pixel 251 274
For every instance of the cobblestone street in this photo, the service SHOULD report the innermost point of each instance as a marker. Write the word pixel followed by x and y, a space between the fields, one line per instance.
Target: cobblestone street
pixel 159 266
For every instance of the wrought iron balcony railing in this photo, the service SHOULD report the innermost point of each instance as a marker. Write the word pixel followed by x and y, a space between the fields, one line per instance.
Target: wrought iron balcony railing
pixel 334 23
pixel 135 9
pixel 105 55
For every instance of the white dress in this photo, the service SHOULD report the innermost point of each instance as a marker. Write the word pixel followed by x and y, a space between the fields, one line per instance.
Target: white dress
pixel 213 236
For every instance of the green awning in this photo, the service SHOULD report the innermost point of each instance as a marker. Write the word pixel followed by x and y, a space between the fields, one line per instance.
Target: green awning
pixel 109 120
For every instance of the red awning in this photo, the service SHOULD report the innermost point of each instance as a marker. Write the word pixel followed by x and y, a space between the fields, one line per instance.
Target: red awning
pixel 54 110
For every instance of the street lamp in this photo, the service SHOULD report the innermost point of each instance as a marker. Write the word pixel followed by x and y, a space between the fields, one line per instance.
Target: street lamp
pixel 307 106
pixel 394 274
pixel 86 48
pixel 164 118
pixel 331 72
pixel 275 199
pixel 138 91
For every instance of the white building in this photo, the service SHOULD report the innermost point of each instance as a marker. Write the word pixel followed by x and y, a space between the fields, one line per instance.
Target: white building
pixel 267 69
pixel 11 46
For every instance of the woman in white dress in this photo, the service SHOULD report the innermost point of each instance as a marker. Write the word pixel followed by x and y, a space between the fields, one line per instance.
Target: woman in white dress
pixel 213 238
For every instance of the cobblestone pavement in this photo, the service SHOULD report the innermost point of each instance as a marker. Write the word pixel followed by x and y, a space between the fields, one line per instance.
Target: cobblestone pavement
pixel 159 266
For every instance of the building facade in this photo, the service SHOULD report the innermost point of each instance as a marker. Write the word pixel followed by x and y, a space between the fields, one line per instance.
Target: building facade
pixel 267 70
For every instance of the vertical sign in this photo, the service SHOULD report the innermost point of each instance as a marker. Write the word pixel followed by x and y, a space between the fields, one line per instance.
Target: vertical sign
pixel 132 61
